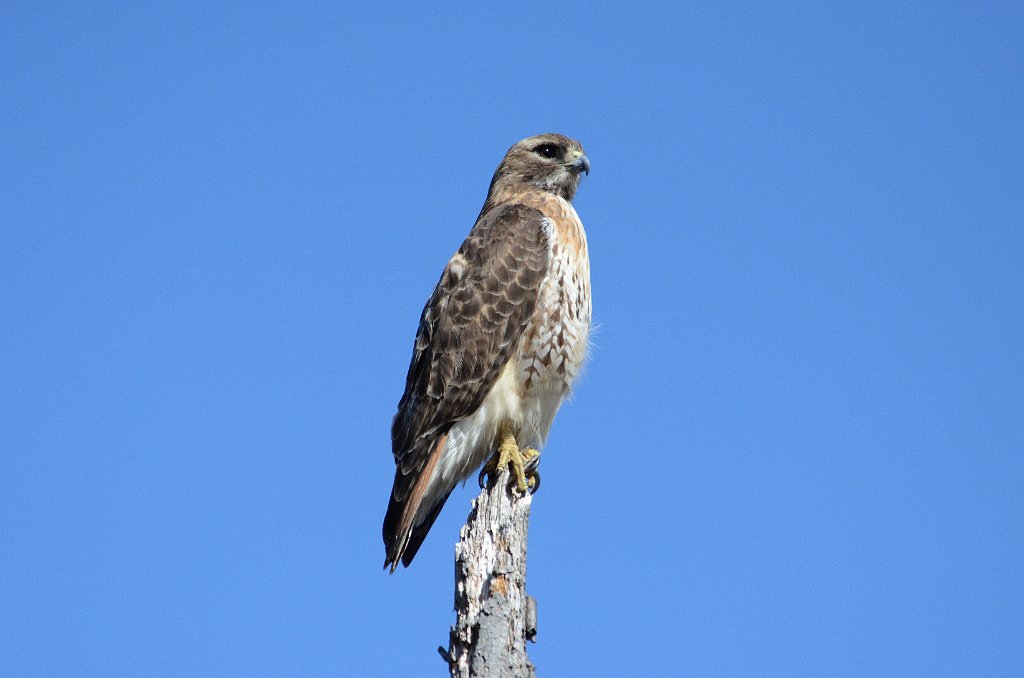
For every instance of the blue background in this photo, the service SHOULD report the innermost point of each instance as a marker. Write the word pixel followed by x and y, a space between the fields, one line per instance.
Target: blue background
pixel 798 447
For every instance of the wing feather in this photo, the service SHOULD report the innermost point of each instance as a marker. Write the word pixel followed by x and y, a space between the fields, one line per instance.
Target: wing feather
pixel 468 330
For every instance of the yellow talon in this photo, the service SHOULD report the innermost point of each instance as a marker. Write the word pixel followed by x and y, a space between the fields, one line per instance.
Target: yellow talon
pixel 509 453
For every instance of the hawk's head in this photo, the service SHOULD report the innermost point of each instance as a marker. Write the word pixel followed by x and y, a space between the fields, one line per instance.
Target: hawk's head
pixel 550 162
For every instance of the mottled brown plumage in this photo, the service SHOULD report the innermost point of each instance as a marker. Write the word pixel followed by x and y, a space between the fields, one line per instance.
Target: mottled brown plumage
pixel 498 314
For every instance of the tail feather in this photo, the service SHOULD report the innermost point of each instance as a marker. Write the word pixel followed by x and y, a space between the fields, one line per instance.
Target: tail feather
pixel 403 532
pixel 419 533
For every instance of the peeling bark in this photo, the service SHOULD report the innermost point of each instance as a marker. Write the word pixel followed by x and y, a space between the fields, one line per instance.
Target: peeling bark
pixel 494 616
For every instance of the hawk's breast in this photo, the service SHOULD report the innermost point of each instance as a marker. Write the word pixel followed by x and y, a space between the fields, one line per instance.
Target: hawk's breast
pixel 554 346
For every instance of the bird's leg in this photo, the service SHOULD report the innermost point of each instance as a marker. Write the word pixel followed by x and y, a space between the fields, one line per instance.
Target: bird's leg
pixel 509 453
pixel 522 461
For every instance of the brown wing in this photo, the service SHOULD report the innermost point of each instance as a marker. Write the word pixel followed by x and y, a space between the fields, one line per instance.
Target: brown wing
pixel 468 330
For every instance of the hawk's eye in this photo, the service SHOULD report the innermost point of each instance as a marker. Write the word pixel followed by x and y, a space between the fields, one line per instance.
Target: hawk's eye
pixel 547 150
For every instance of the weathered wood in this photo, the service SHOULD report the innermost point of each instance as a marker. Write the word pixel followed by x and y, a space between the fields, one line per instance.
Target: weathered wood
pixel 494 616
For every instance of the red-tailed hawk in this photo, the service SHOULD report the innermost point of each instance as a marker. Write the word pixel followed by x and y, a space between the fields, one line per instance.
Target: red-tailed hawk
pixel 500 341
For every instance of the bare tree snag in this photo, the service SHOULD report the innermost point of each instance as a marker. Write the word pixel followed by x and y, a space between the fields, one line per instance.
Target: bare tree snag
pixel 494 616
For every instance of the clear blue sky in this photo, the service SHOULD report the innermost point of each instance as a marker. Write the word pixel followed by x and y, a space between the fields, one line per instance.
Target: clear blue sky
pixel 797 450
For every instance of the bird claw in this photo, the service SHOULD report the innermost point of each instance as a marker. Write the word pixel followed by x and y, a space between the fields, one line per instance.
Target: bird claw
pixel 523 464
pixel 529 469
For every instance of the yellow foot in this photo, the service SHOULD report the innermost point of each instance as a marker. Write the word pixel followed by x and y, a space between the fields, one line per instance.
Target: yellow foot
pixel 523 462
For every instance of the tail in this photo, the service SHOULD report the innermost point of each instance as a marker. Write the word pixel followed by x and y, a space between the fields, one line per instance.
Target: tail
pixel 404 531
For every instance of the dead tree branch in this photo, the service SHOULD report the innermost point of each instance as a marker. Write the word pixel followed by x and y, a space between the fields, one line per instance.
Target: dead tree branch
pixel 494 616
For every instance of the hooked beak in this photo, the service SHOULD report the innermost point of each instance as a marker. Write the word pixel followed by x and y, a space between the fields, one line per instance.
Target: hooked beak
pixel 581 164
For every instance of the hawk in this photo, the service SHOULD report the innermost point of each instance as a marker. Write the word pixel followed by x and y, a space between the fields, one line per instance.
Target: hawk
pixel 500 341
